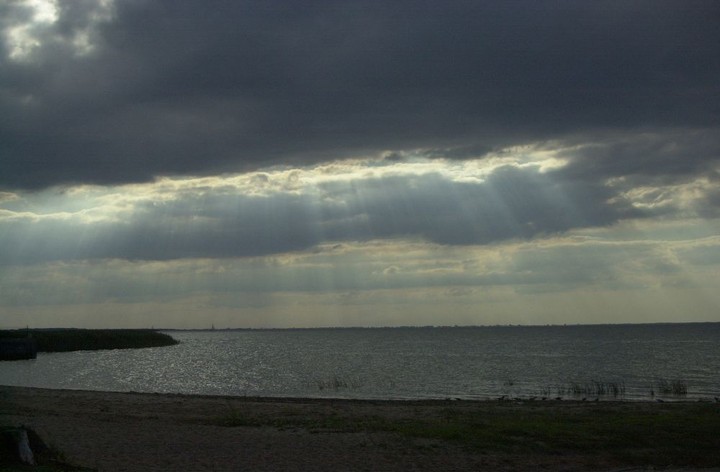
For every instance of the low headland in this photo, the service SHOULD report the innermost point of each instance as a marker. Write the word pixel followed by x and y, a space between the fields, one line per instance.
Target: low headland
pixel 108 431
pixel 64 340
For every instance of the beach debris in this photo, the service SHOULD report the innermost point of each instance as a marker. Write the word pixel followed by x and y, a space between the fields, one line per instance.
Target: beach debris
pixel 19 437
pixel 24 451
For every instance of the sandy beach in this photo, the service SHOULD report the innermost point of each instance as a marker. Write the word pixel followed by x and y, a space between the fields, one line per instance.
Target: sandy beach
pixel 152 432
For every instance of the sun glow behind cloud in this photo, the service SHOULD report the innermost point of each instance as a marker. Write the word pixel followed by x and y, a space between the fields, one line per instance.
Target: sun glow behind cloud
pixel 91 203
pixel 23 37
pixel 34 27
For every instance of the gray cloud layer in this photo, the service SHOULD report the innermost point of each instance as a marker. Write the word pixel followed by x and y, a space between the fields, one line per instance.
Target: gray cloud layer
pixel 511 203
pixel 171 87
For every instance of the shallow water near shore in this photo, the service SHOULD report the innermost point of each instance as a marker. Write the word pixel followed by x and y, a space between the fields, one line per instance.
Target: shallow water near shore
pixel 608 362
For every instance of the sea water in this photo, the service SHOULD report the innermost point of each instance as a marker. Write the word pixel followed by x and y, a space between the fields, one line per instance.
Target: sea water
pixel 608 362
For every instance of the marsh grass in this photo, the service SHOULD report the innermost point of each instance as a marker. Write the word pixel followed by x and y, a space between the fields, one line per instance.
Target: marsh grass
pixel 614 389
pixel 648 434
pixel 675 387
pixel 592 388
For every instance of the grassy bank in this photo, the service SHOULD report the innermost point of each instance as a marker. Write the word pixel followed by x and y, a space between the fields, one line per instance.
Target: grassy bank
pixel 686 434
pixel 63 340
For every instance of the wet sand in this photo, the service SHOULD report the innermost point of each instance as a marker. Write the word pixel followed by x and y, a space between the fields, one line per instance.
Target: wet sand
pixel 153 432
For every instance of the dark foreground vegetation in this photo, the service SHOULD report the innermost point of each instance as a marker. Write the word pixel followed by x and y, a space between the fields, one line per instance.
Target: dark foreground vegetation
pixel 63 340
pixel 639 434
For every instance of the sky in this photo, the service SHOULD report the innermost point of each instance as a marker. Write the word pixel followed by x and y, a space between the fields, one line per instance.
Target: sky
pixel 274 163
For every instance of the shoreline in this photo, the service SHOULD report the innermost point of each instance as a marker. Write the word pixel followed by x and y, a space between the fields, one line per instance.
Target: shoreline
pixel 567 399
pixel 113 431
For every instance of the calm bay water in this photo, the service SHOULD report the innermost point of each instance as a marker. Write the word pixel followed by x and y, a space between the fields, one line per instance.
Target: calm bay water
pixel 408 363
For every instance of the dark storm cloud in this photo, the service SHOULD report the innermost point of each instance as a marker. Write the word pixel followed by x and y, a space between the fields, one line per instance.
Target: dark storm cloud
pixel 647 157
pixel 173 87
pixel 512 203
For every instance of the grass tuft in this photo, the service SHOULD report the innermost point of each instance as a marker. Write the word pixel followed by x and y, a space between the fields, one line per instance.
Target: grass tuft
pixel 674 387
pixel 336 382
pixel 591 388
